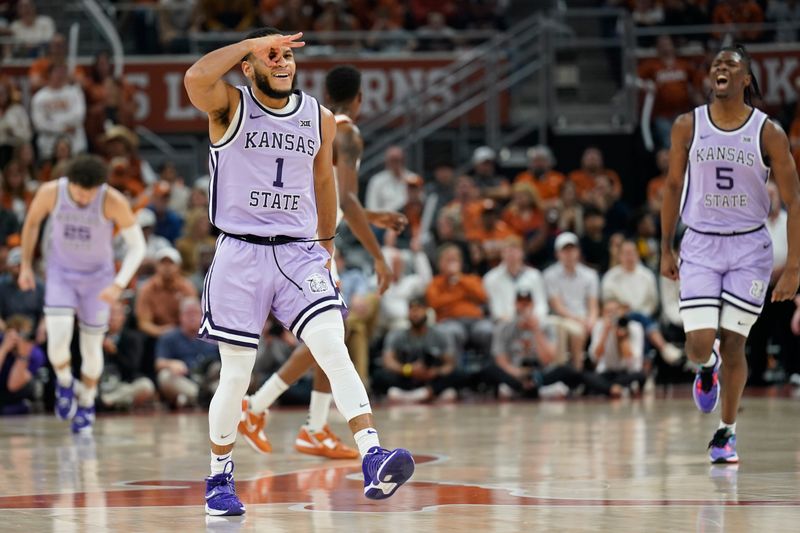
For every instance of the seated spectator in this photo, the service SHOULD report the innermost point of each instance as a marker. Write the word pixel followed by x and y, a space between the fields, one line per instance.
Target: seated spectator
pixel 386 33
pixel 31 31
pixel 645 233
pixel 413 211
pixel 490 184
pixel 418 362
pixel 155 243
pixel 226 15
pixel 196 236
pixel 594 243
pixel 570 209
pixel 56 166
pixel 631 283
pixel 487 242
pixel 187 367
pixel 465 210
pixel 510 277
pixel 26 157
pixel 14 192
pixel 729 12
pixel 524 212
pixel 275 346
pixel 9 228
pixel 179 193
pixel 168 222
pixel 457 298
pixel 39 71
pixel 176 18
pixel 674 88
pixel 592 166
pixel 541 175
pixel 617 348
pixel 20 359
pixel 655 187
pixel 130 174
pixel 334 17
pixel 572 290
pixel 16 302
pixel 786 13
pixel 387 190
pixel 406 284
pixel 441 190
pixel 158 302
pixel 527 361
pixel 614 210
pixel 15 127
pixel 108 99
pixel 122 384
pixel 436 35
pixel 58 109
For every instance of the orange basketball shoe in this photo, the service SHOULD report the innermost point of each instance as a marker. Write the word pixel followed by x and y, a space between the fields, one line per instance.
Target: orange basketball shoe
pixel 324 443
pixel 251 426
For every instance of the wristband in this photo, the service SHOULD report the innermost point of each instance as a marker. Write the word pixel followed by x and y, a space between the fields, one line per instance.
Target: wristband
pixel 407 369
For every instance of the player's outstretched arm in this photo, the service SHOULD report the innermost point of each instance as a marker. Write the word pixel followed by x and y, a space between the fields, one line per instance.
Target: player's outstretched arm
pixel 776 146
pixel 42 204
pixel 324 186
pixel 681 138
pixel 207 90
pixel 349 147
pixel 117 209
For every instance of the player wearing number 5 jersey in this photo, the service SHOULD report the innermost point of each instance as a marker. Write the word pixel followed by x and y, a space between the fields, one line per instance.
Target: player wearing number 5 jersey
pixel 272 190
pixel 721 158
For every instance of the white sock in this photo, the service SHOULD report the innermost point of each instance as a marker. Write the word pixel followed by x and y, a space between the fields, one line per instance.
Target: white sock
pixel 730 427
pixel 366 439
pixel 86 396
pixel 64 376
pixel 218 462
pixel 267 394
pixel 318 410
pixel 712 360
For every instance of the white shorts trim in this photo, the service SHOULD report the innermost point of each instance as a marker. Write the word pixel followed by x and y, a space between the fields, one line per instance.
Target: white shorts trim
pixel 736 320
pixel 729 298
pixel 695 318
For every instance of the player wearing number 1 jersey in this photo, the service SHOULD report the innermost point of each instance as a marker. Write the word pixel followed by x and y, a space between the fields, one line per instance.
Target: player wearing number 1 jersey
pixel 272 192
pixel 721 157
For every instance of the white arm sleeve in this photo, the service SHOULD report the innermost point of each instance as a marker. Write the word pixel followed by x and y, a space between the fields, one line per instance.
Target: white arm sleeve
pixel 134 253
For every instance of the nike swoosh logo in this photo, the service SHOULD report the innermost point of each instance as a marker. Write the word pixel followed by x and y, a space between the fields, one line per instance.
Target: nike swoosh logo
pixel 702 136
pixel 224 458
pixel 741 323
pixel 364 404
pixel 371 432
pixel 766 246
pixel 226 436
pixel 255 116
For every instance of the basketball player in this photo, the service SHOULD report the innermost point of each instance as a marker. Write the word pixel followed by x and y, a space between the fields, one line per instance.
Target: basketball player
pixel 272 190
pixel 721 158
pixel 83 210
pixel 343 88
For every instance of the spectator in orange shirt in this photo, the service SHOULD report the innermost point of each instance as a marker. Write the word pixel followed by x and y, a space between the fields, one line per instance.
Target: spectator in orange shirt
pixel 675 94
pixel 541 175
pixel 591 167
pixel 227 15
pixel 14 195
pixel 739 12
pixel 486 247
pixel 458 300
pixel 39 70
pixel 129 173
pixel 465 209
pixel 655 187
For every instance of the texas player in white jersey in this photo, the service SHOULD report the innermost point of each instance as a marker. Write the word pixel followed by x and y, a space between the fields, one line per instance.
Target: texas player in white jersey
pixel 343 87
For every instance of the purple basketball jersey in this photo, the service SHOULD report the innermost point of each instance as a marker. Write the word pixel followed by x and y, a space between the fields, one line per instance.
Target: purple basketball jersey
pixel 724 190
pixel 80 238
pixel 262 171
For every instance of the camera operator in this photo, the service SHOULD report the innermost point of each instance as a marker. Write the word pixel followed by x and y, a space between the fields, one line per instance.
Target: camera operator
pixel 617 348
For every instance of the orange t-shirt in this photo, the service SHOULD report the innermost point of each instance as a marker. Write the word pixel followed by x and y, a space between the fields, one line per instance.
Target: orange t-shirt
pixel 523 223
pixel 460 300
pixel 549 187
pixel 672 85
pixel 748 13
pixel 584 182
pixel 654 187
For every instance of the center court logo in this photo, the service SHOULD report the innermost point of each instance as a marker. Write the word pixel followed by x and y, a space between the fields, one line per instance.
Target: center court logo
pixel 317 284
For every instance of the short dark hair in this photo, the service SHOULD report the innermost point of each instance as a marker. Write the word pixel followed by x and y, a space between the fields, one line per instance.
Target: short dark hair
pixel 343 83
pixel 261 32
pixel 87 171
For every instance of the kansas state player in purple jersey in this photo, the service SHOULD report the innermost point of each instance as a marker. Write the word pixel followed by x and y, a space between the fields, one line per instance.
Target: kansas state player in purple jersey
pixel 272 190
pixel 82 212
pixel 721 158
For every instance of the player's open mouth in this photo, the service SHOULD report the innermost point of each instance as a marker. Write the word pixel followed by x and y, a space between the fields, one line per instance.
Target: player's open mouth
pixel 721 81
pixel 281 75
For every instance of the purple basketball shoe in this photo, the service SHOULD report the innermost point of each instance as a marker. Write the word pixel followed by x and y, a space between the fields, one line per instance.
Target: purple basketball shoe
pixel 221 498
pixel 722 448
pixel 66 403
pixel 385 471
pixel 83 420
pixel 705 390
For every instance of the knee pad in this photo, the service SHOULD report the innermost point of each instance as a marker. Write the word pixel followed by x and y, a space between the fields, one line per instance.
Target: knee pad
pixel 237 365
pixel 59 337
pixel 91 344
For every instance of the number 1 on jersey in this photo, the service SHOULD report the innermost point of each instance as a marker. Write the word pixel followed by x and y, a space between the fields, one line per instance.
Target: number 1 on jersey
pixel 279 175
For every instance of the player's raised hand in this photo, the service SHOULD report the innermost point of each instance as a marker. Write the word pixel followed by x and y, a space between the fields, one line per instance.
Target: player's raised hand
pixel 669 265
pixel 786 288
pixel 111 293
pixel 26 280
pixel 268 48
pixel 384 274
